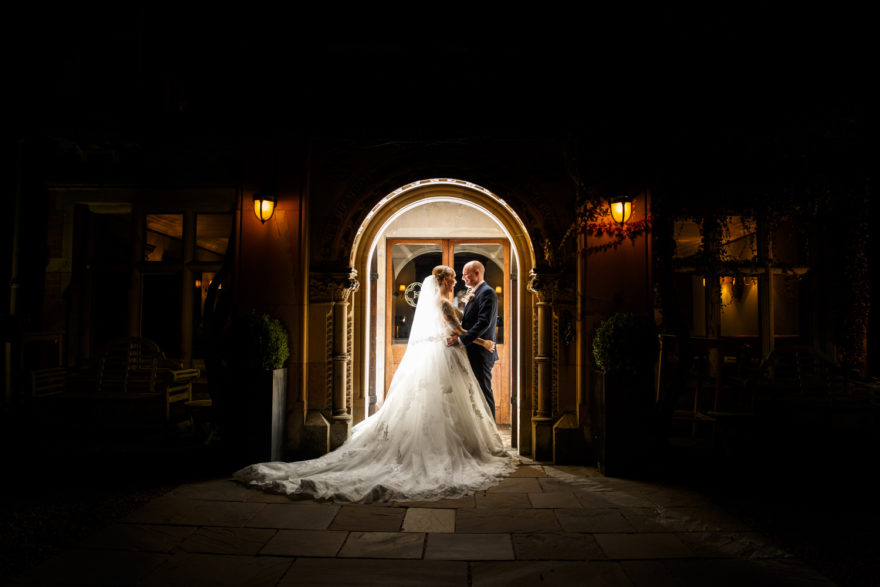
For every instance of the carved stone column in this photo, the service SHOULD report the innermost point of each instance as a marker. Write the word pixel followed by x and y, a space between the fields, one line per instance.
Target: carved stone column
pixel 545 286
pixel 337 289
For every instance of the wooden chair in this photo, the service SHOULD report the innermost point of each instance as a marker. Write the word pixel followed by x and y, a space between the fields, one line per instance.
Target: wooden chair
pixel 48 382
pixel 134 368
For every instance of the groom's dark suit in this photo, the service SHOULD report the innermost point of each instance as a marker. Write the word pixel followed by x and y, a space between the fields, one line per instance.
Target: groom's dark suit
pixel 479 319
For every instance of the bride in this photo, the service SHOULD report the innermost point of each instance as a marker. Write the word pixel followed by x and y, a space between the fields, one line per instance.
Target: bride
pixel 433 438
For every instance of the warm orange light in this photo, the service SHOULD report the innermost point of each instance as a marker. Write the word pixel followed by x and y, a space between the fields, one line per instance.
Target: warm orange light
pixel 264 206
pixel 621 209
pixel 498 289
pixel 402 287
pixel 199 283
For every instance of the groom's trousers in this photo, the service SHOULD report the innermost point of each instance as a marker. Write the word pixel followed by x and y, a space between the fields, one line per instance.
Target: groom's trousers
pixel 482 368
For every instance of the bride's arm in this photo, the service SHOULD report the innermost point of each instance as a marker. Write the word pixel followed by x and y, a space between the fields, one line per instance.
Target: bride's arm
pixel 452 317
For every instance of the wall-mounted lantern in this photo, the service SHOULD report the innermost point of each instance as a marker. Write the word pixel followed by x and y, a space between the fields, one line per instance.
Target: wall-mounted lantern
pixel 621 208
pixel 498 289
pixel 264 205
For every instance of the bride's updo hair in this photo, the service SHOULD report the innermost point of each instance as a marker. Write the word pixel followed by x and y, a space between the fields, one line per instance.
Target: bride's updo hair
pixel 441 272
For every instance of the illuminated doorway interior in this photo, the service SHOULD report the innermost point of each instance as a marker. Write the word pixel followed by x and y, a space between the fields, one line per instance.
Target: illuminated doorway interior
pixel 437 232
pixel 408 261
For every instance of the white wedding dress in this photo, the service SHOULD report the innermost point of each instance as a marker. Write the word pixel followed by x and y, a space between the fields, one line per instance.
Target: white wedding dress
pixel 433 438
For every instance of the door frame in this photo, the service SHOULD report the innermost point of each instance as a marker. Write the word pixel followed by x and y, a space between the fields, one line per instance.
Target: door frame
pixel 447 247
pixel 388 205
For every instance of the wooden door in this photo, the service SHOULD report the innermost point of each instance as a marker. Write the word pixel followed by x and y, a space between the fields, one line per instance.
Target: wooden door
pixel 409 261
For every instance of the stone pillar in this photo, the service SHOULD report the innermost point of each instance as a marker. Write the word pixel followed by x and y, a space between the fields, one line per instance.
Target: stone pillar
pixel 338 288
pixel 138 238
pixel 187 289
pixel 712 292
pixel 545 286
pixel 766 309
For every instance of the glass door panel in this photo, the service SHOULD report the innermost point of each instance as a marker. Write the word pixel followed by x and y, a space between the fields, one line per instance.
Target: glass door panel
pixel 408 263
pixel 494 255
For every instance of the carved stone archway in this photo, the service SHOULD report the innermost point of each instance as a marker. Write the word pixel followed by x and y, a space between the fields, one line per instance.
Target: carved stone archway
pixel 418 193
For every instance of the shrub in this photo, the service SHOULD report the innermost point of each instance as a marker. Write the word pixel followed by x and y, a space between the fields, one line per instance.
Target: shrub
pixel 258 341
pixel 626 343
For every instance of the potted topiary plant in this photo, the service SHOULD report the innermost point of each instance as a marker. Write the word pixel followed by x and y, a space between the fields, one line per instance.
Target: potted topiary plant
pixel 257 348
pixel 625 348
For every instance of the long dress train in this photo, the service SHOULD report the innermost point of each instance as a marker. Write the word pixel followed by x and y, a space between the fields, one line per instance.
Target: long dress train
pixel 433 438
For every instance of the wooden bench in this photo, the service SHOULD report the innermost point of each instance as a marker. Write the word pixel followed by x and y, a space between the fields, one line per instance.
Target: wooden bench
pixel 130 369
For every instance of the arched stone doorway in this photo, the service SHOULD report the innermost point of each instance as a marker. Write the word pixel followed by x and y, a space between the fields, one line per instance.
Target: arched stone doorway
pixel 448 195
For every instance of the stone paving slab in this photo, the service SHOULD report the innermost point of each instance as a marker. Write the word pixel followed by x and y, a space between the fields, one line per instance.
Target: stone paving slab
pixel 592 520
pixel 545 525
pixel 475 547
pixel 571 471
pixel 516 484
pixel 368 518
pixel 305 543
pixel 490 520
pixel 681 519
pixel 218 489
pixel 569 484
pixel 705 518
pixel 622 499
pixel 257 496
pixel 730 545
pixel 673 497
pixel 529 471
pixel 557 546
pixel 651 573
pixel 429 520
pixel 736 573
pixel 228 540
pixel 187 570
pixel 378 573
pixel 383 545
pixel 172 509
pixel 551 573
pixel 294 516
pixel 639 546
pixel 142 537
pixel 502 500
pixel 554 499
pixel 95 567
pixel 592 499
pixel 462 502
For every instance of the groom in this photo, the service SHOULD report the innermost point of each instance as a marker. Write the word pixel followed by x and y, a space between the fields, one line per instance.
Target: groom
pixel 480 316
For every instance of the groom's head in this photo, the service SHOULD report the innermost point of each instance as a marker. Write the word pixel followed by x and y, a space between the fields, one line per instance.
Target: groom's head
pixel 473 273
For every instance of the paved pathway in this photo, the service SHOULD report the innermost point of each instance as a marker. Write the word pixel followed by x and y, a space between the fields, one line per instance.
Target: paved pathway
pixel 544 525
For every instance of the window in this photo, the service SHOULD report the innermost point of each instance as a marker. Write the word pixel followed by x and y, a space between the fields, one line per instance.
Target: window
pixel 163 238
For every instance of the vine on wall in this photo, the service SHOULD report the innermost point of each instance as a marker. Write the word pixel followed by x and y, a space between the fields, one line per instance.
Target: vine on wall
pixel 594 219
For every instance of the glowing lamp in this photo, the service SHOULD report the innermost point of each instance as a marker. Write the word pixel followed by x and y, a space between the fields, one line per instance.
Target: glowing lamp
pixel 621 208
pixel 402 287
pixel 498 289
pixel 264 206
